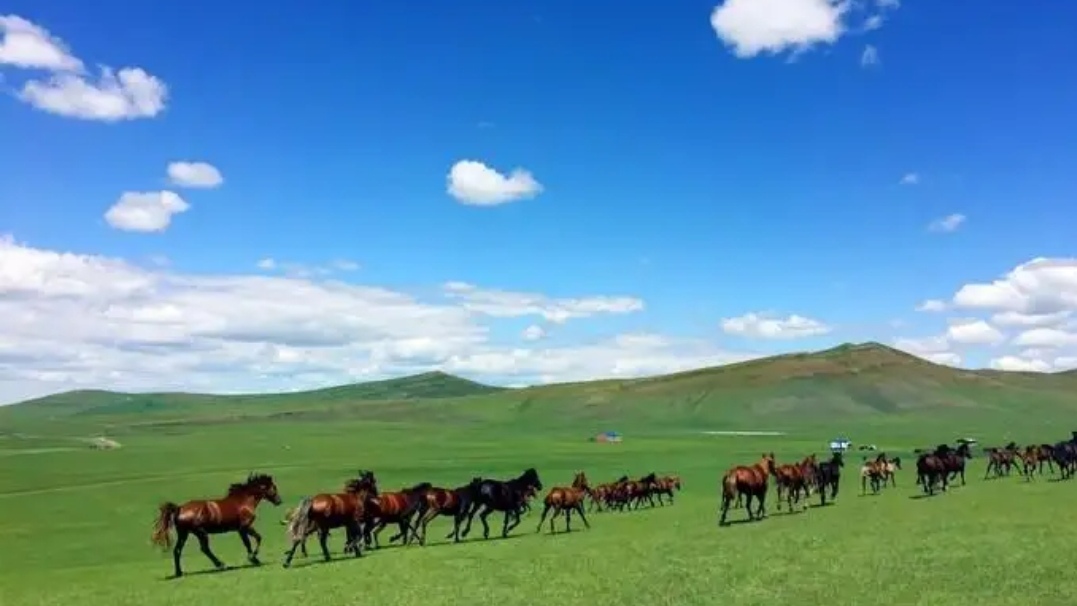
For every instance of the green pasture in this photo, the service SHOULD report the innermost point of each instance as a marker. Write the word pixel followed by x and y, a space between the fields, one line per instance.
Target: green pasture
pixel 75 523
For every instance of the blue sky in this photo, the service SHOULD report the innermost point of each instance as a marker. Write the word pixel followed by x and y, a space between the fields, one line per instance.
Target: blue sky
pixel 706 161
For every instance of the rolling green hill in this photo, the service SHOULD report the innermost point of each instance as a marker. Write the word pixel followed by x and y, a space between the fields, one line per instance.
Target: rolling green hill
pixel 851 382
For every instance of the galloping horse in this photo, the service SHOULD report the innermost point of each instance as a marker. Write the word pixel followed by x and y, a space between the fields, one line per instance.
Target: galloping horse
pixel 395 507
pixel 507 497
pixel 323 512
pixel 566 500
pixel 456 502
pixel 233 513
pixel 874 472
pixel 932 468
pixel 828 475
pixel 791 479
pixel 749 481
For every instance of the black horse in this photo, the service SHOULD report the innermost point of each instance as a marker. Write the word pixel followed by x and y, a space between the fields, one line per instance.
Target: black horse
pixel 935 466
pixel 507 497
pixel 456 502
pixel 828 475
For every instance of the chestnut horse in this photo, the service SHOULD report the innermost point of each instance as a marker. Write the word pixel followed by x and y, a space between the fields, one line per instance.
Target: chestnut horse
pixel 395 508
pixel 565 501
pixel 749 481
pixel 203 517
pixel 324 512
pixel 455 502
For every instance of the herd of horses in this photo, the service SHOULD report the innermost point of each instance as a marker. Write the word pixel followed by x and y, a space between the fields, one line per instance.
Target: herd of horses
pixel 363 511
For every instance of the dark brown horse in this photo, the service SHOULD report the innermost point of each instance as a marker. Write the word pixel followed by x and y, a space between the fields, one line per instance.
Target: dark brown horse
pixel 396 508
pixel 792 480
pixel 455 502
pixel 326 511
pixel 751 481
pixel 564 501
pixel 233 513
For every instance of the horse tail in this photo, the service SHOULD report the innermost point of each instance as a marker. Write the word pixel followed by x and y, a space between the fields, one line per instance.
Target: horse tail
pixel 729 486
pixel 162 526
pixel 300 522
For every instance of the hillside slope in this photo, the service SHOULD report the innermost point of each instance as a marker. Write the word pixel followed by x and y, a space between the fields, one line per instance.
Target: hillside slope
pixel 849 382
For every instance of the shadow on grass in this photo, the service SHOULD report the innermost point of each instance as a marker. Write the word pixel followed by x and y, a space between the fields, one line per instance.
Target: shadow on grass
pixel 209 571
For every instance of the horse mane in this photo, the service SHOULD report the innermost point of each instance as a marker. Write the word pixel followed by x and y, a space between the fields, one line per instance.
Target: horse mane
pixel 648 478
pixel 622 479
pixel 254 479
pixel 420 486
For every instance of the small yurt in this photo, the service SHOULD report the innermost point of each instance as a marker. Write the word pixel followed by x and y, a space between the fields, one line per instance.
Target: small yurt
pixel 840 444
pixel 607 436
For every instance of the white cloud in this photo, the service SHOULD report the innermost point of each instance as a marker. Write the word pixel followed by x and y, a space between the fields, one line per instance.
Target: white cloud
pixel 301 270
pixel 78 321
pixel 869 57
pixel 30 46
pixel 933 349
pixel 1040 286
pixel 145 211
pixel 751 27
pixel 1015 363
pixel 947 224
pixel 1046 337
pixel 931 306
pixel 973 332
pixel 910 179
pixel 69 89
pixel 533 333
pixel 764 326
pixel 1013 318
pixel 194 174
pixel 475 183
pixel 509 304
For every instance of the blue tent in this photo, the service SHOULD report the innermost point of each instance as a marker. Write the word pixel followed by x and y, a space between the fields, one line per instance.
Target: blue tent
pixel 607 436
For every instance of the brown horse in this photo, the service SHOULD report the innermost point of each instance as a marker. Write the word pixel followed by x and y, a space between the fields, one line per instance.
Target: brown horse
pixel 750 481
pixel 874 472
pixel 566 500
pixel 455 502
pixel 396 508
pixel 667 485
pixel 324 512
pixel 792 479
pixel 233 513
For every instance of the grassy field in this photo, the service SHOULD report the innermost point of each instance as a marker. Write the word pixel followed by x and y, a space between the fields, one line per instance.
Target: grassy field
pixel 75 522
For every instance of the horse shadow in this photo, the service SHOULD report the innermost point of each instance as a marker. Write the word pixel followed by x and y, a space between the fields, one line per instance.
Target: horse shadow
pixel 209 571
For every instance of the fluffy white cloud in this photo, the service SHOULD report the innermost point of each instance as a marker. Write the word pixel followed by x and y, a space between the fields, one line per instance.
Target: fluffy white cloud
pixel 869 57
pixel 931 306
pixel 1046 337
pixel 947 224
pixel 70 90
pixel 145 211
pixel 29 46
pixel 533 333
pixel 475 183
pixel 933 349
pixel 509 304
pixel 1039 287
pixel 78 321
pixel 910 179
pixel 973 332
pixel 1015 363
pixel 194 174
pixel 1013 318
pixel 764 326
pixel 751 27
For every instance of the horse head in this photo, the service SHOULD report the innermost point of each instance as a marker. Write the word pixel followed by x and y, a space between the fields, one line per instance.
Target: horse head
pixel 531 478
pixel 260 486
pixel 580 481
pixel 768 463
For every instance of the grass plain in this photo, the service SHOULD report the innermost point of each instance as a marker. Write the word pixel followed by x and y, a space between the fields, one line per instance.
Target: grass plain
pixel 74 522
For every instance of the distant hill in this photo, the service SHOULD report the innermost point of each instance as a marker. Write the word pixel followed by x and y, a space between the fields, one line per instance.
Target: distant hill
pixel 848 382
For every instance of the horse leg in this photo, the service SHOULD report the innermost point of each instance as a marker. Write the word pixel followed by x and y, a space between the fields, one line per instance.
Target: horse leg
pixel 748 506
pixel 542 519
pixel 355 538
pixel 177 551
pixel 723 509
pixel 323 540
pixel 245 535
pixel 203 543
pixel 470 516
pixel 762 499
pixel 579 510
pixel 295 545
pixel 568 519
pixel 486 511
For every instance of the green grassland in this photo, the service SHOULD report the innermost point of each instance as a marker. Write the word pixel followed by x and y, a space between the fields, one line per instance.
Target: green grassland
pixel 75 522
